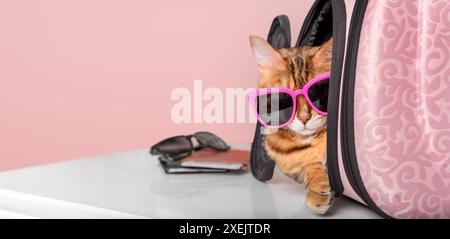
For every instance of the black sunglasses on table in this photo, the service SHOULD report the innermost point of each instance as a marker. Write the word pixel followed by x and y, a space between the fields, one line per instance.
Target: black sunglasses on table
pixel 179 147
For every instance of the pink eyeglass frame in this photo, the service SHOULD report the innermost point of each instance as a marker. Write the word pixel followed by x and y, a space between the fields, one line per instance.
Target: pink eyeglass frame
pixel 252 99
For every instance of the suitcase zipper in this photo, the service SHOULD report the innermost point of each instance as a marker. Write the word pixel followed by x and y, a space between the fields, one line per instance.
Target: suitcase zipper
pixel 347 124
pixel 339 29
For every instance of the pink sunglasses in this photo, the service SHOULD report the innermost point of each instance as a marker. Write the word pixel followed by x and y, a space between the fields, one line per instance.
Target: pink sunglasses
pixel 276 107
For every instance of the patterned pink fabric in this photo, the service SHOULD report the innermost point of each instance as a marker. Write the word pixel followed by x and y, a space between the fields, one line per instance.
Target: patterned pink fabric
pixel 402 107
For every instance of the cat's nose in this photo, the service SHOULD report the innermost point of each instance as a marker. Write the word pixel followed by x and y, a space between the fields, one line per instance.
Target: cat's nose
pixel 304 117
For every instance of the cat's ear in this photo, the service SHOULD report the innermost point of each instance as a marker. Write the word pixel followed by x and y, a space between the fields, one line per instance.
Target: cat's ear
pixel 325 51
pixel 266 56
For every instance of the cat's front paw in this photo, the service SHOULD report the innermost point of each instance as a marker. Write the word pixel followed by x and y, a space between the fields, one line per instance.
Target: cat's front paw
pixel 319 201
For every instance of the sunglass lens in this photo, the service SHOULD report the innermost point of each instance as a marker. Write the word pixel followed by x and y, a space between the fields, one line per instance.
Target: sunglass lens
pixel 211 140
pixel 275 109
pixel 175 146
pixel 179 156
pixel 318 94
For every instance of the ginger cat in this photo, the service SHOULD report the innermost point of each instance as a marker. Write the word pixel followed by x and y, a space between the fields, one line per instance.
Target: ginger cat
pixel 299 149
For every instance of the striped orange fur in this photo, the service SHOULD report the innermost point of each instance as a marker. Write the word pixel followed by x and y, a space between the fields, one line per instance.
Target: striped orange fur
pixel 298 154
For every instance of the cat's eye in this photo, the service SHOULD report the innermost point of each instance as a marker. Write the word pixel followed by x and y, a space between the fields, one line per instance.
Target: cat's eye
pixel 275 108
pixel 318 94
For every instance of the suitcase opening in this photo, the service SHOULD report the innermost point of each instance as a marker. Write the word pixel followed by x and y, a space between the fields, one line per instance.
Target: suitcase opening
pixel 326 19
pixel 318 27
pixel 322 28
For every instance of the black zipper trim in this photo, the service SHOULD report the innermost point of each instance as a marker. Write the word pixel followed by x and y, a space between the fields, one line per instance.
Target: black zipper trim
pixel 339 29
pixel 348 93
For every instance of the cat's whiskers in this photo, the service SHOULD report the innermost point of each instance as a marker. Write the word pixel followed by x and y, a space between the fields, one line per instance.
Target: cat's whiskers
pixel 300 148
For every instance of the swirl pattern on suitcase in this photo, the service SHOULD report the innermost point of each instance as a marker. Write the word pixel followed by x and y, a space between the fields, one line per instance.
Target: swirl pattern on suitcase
pixel 402 107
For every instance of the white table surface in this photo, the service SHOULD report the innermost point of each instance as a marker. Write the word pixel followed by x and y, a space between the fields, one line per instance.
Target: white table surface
pixel 133 185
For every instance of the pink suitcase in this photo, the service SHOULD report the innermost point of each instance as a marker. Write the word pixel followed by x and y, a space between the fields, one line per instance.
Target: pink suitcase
pixel 389 103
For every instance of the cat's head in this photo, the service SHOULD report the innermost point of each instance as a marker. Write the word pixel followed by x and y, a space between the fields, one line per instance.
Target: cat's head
pixel 293 68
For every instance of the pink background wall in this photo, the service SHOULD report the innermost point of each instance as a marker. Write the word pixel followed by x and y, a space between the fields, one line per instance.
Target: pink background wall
pixel 88 77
